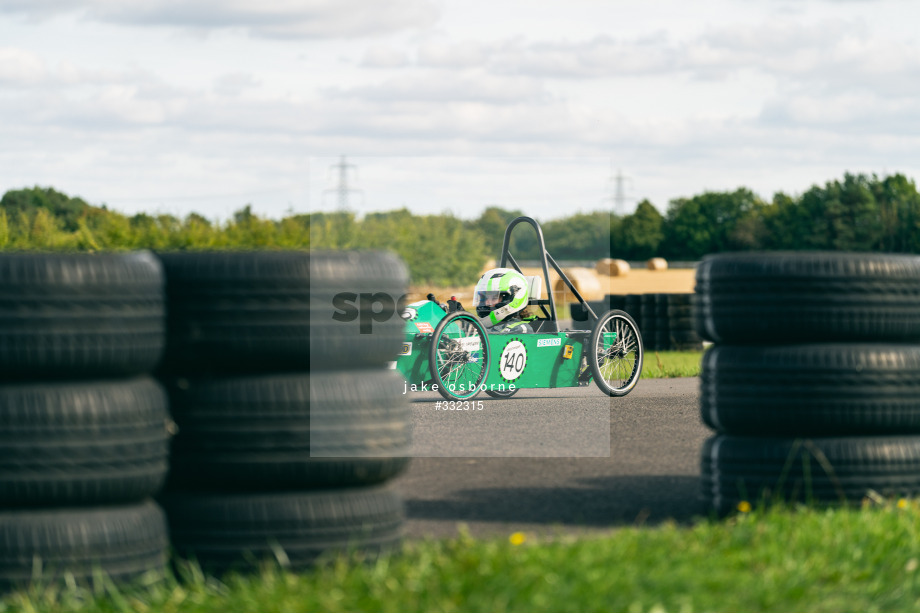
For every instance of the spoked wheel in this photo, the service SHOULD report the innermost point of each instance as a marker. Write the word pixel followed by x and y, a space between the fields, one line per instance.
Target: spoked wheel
pixel 615 354
pixel 459 356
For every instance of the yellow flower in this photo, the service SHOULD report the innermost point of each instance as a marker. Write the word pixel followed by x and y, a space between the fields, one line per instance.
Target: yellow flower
pixel 744 507
pixel 902 504
pixel 517 539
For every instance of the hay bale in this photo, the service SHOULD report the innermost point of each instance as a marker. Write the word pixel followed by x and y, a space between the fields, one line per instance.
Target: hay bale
pixel 585 281
pixel 612 267
pixel 489 265
pixel 657 264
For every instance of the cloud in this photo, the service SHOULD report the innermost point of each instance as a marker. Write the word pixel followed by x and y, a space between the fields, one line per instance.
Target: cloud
pixel 475 86
pixel 599 57
pixel 467 54
pixel 20 67
pixel 379 56
pixel 831 55
pixel 233 84
pixel 311 19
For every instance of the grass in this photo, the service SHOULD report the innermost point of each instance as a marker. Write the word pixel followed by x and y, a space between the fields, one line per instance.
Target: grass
pixel 671 364
pixel 776 559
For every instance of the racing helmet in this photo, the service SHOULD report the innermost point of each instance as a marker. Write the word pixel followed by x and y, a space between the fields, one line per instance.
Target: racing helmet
pixel 500 293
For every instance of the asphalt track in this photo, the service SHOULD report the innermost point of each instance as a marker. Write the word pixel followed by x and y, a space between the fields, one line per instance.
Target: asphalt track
pixel 555 461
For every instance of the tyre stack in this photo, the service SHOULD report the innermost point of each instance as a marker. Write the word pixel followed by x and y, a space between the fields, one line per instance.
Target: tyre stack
pixel 682 335
pixel 290 422
pixel 813 385
pixel 600 307
pixel 648 309
pixel 666 319
pixel 632 304
pixel 84 433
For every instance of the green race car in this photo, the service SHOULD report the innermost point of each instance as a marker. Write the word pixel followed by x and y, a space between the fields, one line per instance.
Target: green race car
pixel 455 355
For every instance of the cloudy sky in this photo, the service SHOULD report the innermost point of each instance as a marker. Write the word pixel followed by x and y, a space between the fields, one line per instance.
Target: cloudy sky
pixel 450 105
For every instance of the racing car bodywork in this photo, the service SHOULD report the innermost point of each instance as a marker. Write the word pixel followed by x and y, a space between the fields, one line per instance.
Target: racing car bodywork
pixel 453 353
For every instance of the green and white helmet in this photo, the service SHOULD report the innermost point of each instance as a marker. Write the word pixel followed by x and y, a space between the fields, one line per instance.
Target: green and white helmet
pixel 500 293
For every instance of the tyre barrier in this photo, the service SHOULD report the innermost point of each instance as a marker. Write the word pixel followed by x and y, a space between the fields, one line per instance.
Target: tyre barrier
pixel 80 316
pixel 230 530
pixel 816 398
pixel 84 433
pixel 265 312
pixel 665 319
pixel 290 422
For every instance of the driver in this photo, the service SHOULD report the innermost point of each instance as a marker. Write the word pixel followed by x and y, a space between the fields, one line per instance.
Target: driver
pixel 500 298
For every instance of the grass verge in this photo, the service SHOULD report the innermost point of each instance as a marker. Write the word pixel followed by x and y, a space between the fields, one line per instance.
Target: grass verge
pixel 671 364
pixel 838 559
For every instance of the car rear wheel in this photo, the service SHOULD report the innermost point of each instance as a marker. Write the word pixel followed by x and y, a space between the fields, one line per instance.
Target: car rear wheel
pixel 615 353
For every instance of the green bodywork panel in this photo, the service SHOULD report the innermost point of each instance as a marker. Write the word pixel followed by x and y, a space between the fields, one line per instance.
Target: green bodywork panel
pixel 535 360
pixel 412 361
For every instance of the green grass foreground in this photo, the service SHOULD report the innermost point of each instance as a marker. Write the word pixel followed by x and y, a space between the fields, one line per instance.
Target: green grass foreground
pixel 775 560
pixel 671 364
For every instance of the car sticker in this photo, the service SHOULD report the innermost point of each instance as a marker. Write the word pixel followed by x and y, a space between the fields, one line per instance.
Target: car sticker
pixel 513 360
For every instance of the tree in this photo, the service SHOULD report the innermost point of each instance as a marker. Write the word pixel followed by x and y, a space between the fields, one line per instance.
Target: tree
pixel 705 224
pixel 638 235
pixel 65 210
pixel 841 216
pixel 491 226
pixel 582 236
pixel 899 211
pixel 4 229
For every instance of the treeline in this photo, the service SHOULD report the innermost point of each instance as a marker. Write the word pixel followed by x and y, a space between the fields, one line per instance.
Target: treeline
pixel 45 219
pixel 858 213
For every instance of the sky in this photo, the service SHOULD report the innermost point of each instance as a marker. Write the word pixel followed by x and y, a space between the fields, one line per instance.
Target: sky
pixel 449 106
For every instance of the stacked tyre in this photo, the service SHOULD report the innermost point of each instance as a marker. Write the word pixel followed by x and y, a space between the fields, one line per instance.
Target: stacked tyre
pixel 84 433
pixel 813 385
pixel 290 423
pixel 682 335
pixel 665 319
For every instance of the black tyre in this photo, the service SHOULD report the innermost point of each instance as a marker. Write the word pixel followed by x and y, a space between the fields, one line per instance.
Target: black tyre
pixel 818 389
pixel 80 315
pixel 615 353
pixel 615 301
pixel 76 443
pixel 661 305
pixel 647 312
pixel 459 356
pixel 282 311
pixel 632 304
pixel 826 469
pixel 578 312
pixel 226 531
pixel 289 431
pixel 799 297
pixel 121 541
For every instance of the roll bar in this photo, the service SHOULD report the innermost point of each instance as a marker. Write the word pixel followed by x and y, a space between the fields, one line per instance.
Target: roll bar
pixel 547 260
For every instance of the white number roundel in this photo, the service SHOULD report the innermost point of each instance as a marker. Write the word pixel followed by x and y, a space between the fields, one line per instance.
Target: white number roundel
pixel 513 360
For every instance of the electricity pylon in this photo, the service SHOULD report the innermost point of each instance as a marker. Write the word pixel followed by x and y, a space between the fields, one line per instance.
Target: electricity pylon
pixel 342 189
